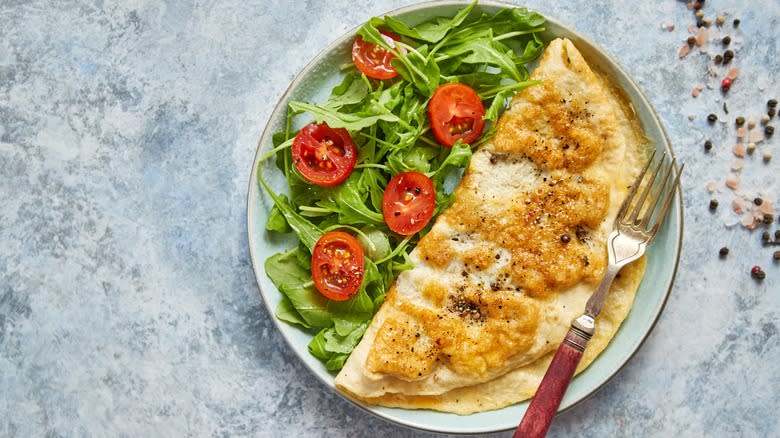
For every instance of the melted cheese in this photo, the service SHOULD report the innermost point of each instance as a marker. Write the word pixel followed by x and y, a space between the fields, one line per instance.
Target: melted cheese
pixel 502 273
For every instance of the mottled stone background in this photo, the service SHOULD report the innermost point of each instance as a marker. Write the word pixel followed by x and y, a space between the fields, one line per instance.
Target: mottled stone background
pixel 128 305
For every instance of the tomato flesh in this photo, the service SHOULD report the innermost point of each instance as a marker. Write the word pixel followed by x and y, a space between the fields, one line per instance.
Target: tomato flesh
pixel 408 202
pixel 456 113
pixel 324 156
pixel 337 265
pixel 372 59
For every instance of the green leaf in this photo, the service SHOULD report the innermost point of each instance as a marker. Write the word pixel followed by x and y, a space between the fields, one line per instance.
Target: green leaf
pixel 292 281
pixel 352 90
pixel 276 221
pixel 336 119
pixel 358 308
pixel 459 156
pixel 430 31
pixel 286 312
pixel 484 51
pixel 375 242
pixel 350 203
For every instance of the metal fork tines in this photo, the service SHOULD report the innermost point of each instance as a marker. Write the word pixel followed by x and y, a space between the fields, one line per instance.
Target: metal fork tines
pixel 637 221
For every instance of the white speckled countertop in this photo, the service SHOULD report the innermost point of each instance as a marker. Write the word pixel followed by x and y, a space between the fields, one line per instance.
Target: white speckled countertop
pixel 128 305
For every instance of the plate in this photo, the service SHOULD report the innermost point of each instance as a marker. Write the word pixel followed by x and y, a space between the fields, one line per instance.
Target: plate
pixel 314 83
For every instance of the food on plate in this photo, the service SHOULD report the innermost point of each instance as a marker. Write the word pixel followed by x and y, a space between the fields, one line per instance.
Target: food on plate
pixel 365 162
pixel 504 270
pixel 456 113
pixel 408 202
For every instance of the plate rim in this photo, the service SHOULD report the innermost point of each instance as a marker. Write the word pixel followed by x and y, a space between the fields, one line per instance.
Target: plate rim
pixel 614 65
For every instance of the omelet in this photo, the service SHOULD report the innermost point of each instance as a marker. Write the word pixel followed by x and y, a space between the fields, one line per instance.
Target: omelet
pixel 503 272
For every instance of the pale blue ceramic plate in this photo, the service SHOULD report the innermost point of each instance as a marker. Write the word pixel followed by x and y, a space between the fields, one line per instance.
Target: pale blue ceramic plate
pixel 314 83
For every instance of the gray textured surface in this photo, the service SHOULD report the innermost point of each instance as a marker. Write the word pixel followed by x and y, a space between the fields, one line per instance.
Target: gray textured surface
pixel 128 305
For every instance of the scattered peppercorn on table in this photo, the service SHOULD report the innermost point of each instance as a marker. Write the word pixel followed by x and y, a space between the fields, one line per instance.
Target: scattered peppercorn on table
pixel 128 305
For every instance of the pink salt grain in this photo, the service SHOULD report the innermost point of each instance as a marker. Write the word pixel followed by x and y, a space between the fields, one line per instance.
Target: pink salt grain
pixel 695 92
pixel 766 208
pixel 739 150
pixel 701 37
pixel 732 182
pixel 684 50
pixel 738 164
pixel 741 132
pixel 711 186
pixel 733 73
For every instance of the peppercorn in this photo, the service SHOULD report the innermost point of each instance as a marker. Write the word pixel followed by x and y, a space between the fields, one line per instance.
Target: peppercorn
pixel 712 118
pixel 776 255
pixel 768 219
pixel 751 124
pixel 765 237
pixel 699 22
pixel 769 130
pixel 565 238
pixel 764 119
pixel 728 55
pixel 713 204
pixel 725 84
pixel 708 145
pixel 718 58
pixel 771 112
pixel 691 40
pixel 736 22
pixel 771 103
pixel 758 201
pixel 767 156
pixel 723 252
pixel 726 40
pixel 740 121
pixel 777 235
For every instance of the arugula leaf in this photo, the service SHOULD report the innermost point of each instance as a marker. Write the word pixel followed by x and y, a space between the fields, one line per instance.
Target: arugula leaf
pixel 352 90
pixel 336 119
pixel 286 312
pixel 484 51
pixel 430 31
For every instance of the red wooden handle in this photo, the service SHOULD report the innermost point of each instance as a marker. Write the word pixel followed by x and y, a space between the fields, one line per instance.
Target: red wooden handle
pixel 548 397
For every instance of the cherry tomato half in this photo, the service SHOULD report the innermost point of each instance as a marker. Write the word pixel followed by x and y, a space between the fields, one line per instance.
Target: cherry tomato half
pixel 337 265
pixel 408 202
pixel 373 60
pixel 323 155
pixel 455 111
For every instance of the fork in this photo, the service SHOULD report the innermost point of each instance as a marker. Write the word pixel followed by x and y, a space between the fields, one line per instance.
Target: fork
pixel 636 225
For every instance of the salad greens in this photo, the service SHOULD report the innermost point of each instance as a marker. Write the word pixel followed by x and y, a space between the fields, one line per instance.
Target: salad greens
pixel 388 121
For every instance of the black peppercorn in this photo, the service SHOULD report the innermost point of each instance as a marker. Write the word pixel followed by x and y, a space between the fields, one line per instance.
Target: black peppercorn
pixel 776 255
pixel 713 204
pixel 712 118
pixel 728 55
pixel 771 112
pixel 736 22
pixel 723 252
pixel 565 238
pixel 777 235
pixel 718 58
pixel 769 130
pixel 772 103
pixel 768 219
pixel 707 145
pixel 765 237
pixel 726 40
pixel 758 201
pixel 691 40
pixel 740 121
pixel 699 22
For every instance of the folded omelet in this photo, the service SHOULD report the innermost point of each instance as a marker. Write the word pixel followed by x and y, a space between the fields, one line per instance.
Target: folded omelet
pixel 503 271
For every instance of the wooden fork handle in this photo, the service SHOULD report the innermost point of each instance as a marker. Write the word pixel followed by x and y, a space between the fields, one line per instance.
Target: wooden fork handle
pixel 548 397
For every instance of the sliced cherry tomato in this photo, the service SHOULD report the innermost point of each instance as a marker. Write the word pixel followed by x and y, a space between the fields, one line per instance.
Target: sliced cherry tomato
pixel 323 155
pixel 408 202
pixel 374 60
pixel 455 111
pixel 337 265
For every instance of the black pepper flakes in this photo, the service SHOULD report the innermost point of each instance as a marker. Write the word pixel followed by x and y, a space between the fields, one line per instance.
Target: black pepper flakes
pixel 708 145
pixel 712 118
pixel 723 252
pixel 713 204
